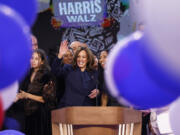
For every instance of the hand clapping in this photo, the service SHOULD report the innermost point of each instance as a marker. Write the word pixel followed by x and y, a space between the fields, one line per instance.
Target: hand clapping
pixel 21 95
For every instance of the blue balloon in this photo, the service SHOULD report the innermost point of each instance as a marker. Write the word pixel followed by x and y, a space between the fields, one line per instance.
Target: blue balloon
pixel 158 72
pixel 129 78
pixel 26 8
pixel 11 132
pixel 11 123
pixel 15 46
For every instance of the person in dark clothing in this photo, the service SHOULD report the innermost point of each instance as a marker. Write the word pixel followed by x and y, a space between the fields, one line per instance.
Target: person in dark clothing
pixel 145 122
pixel 80 78
pixel 15 116
pixel 66 59
pixel 34 42
pixel 105 98
pixel 38 95
pixel 60 82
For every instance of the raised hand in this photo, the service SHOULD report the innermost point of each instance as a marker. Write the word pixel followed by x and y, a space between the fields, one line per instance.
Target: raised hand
pixel 63 48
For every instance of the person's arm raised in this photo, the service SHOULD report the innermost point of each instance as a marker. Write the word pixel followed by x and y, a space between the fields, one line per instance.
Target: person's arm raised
pixel 63 48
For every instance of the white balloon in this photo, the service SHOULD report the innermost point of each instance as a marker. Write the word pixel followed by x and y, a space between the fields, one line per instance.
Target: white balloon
pixel 174 117
pixel 8 94
pixel 136 11
pixel 125 26
pixel 163 27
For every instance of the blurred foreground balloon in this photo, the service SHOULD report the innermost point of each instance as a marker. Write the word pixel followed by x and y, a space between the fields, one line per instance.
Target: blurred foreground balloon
pixel 11 132
pixel 27 8
pixel 8 95
pixel 15 46
pixel 174 117
pixel 127 77
pixel 158 71
pixel 1 113
pixel 136 10
pixel 162 27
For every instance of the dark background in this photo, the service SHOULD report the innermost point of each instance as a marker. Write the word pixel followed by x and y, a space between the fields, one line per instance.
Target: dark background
pixel 48 38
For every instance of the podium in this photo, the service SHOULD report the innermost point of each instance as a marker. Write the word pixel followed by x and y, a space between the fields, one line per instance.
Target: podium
pixel 96 121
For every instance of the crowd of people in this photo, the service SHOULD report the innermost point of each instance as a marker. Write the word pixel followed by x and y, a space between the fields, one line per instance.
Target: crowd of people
pixel 75 77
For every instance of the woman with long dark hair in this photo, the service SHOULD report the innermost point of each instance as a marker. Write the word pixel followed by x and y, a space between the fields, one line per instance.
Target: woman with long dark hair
pixel 106 98
pixel 80 78
pixel 38 94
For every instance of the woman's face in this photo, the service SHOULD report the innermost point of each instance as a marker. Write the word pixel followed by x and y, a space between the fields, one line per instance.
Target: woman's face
pixel 103 58
pixel 82 60
pixel 67 58
pixel 36 61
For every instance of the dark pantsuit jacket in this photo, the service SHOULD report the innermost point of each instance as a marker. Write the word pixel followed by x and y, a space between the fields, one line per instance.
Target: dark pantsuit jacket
pixel 78 85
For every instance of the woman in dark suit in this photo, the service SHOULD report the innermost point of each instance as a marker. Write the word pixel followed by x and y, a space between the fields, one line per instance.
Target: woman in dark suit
pixel 80 78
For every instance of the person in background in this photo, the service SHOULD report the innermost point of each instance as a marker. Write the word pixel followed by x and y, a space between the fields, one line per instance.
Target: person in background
pixel 38 94
pixel 80 78
pixel 95 62
pixel 15 114
pixel 67 58
pixel 102 85
pixel 159 121
pixel 106 98
pixel 76 44
pixel 34 42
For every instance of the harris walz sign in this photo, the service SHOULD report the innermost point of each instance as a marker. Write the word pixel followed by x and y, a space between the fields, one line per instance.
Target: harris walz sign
pixel 75 13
